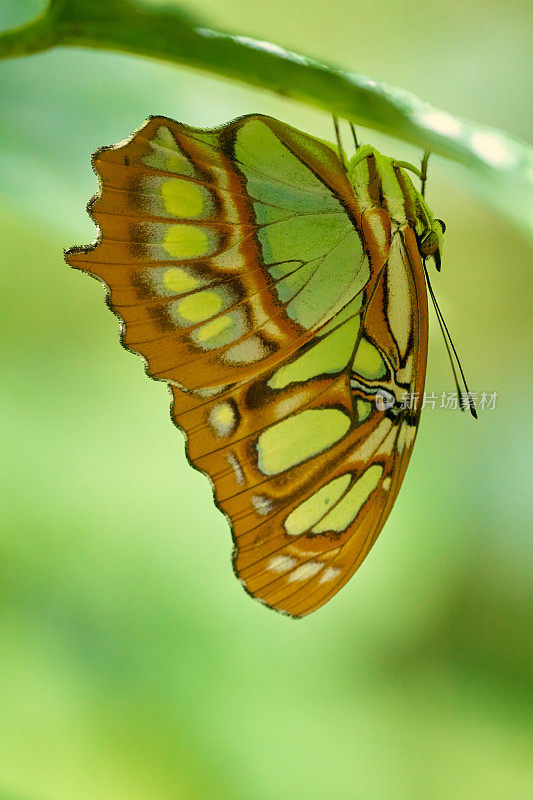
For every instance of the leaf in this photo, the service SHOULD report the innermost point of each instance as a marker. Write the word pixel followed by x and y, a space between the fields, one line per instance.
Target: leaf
pixel 168 33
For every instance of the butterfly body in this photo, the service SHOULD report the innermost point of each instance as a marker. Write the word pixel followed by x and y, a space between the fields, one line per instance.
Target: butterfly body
pixel 283 300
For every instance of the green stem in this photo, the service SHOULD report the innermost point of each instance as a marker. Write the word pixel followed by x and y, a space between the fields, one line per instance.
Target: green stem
pixel 33 37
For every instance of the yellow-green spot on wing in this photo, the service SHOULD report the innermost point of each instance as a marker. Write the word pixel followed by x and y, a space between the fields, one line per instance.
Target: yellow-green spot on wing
pixel 197 307
pixel 220 331
pixel 183 198
pixel 186 241
pixel 304 516
pixel 214 328
pixel 346 510
pixel 178 281
pixel 363 409
pixel 331 354
pixel 299 437
pixel 174 197
pixel 166 280
pixel 368 362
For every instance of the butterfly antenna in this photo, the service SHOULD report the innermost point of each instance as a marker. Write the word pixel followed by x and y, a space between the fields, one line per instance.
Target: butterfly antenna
pixel 450 348
pixel 354 135
pixel 424 172
pixel 342 154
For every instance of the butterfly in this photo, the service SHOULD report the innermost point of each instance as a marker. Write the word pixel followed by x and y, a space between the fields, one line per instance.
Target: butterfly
pixel 279 291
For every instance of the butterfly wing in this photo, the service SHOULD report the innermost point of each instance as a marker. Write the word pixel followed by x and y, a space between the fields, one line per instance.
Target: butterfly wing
pixel 251 280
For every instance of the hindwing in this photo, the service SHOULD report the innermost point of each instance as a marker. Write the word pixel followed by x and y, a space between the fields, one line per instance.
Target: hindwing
pixel 287 318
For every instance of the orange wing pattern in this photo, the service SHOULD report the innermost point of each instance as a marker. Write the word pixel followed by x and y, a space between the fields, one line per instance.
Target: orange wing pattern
pixel 288 318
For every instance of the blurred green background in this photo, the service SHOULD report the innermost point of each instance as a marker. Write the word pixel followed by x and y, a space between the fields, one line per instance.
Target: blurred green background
pixel 133 666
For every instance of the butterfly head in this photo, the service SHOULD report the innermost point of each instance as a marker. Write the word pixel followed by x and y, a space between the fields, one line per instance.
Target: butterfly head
pixel 430 243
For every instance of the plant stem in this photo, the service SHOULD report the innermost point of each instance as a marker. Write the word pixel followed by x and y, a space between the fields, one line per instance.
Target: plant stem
pixel 167 33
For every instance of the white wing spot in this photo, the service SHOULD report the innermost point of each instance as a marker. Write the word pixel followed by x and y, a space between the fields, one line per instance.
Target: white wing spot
pixel 261 504
pixel 305 571
pixel 223 419
pixel 208 391
pixel 281 563
pixel 411 433
pixel 246 351
pixel 406 436
pixel 236 467
pixel 386 483
pixel 328 574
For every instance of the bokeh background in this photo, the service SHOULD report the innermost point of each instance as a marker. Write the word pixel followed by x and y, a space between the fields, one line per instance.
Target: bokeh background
pixel 133 667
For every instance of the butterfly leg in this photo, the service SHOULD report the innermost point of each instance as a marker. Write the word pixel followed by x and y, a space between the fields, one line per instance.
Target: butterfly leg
pixel 342 154
pixel 424 172
pixel 354 135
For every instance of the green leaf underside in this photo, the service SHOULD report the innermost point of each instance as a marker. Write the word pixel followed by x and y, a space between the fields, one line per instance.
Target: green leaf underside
pixel 168 33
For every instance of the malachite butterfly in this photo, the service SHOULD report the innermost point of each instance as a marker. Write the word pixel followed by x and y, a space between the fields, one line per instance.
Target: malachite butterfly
pixel 280 294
